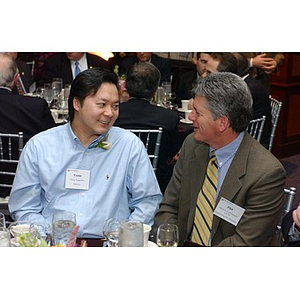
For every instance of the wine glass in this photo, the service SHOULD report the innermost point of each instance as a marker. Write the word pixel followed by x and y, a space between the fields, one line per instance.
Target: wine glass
pixel 167 235
pixel 48 93
pixel 111 230
pixel 2 220
pixel 42 230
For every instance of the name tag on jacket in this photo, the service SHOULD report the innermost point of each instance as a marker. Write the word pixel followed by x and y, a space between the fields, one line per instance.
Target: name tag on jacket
pixel 229 211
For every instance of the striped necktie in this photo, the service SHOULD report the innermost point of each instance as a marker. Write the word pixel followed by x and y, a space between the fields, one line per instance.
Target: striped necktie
pixel 77 69
pixel 206 204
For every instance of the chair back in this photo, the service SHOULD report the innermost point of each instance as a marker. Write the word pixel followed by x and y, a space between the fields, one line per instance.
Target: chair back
pixel 152 140
pixel 256 127
pixel 11 146
pixel 275 111
pixel 31 65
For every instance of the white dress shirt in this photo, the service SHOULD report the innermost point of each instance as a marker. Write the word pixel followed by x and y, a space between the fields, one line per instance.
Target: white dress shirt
pixel 82 64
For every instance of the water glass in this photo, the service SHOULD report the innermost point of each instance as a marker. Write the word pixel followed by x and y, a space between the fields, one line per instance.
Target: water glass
pixel 2 220
pixel 67 91
pixel 4 237
pixel 63 223
pixel 167 235
pixel 131 234
pixel 160 96
pixel 57 85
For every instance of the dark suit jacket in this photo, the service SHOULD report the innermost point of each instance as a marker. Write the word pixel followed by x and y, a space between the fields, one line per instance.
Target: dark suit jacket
pixel 162 64
pixel 185 86
pixel 59 66
pixel 254 181
pixel 287 222
pixel 261 106
pixel 22 113
pixel 141 114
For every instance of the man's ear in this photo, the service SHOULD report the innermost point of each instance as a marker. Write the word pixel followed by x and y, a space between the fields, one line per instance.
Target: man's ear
pixel 223 123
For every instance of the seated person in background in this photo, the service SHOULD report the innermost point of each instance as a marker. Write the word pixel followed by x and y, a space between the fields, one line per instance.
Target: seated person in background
pixel 262 65
pixel 243 177
pixel 237 64
pixel 261 99
pixel 162 64
pixel 25 79
pixel 291 227
pixel 30 115
pixel 64 65
pixel 142 80
pixel 188 79
pixel 118 179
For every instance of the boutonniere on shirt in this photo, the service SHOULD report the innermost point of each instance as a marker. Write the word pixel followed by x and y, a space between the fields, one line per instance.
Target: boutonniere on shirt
pixel 103 144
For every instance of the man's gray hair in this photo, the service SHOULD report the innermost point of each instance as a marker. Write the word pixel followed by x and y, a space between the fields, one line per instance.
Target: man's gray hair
pixel 8 70
pixel 227 95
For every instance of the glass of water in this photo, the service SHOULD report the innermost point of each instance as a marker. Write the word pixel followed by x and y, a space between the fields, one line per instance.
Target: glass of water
pixel 4 237
pixel 131 234
pixel 63 223
pixel 167 235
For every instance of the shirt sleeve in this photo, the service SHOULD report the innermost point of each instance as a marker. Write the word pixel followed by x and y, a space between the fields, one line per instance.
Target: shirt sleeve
pixel 294 234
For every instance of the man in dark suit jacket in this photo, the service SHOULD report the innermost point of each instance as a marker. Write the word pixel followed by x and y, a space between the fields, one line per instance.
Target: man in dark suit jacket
pixel 291 227
pixel 61 65
pixel 138 113
pixel 260 96
pixel 162 64
pixel 188 79
pixel 20 113
pixel 250 179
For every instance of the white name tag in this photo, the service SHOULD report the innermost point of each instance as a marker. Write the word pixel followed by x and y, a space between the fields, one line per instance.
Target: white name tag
pixel 229 211
pixel 77 179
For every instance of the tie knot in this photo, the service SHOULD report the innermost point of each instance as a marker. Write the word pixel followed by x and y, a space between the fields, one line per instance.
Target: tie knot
pixel 76 63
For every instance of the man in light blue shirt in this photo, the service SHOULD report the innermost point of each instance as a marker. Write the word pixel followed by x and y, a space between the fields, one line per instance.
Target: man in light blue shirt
pixel 86 166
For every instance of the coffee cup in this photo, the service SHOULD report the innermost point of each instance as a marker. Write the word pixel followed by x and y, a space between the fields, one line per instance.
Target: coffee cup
pixel 187 113
pixel 184 104
pixel 147 230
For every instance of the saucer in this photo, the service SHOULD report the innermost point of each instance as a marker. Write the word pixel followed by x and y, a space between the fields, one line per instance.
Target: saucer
pixel 185 121
pixel 151 244
pixel 181 110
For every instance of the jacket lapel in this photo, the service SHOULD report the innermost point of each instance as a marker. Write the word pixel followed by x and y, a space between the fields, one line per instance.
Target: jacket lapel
pixel 232 182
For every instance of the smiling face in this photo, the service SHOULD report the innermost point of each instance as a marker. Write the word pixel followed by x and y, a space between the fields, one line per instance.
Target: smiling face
pixel 96 114
pixel 206 129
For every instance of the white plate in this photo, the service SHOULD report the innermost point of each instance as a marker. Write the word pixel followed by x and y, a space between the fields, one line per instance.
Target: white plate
pixel 151 244
pixel 181 110
pixel 184 121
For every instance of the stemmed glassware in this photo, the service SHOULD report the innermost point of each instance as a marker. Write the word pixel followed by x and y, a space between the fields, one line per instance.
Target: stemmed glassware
pixel 111 230
pixel 2 220
pixel 167 235
pixel 48 93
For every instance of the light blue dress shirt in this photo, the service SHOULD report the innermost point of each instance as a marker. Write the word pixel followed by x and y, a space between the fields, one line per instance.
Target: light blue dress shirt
pixel 122 182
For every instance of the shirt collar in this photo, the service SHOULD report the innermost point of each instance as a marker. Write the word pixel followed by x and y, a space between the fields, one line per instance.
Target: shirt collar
pixel 75 139
pixel 225 153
